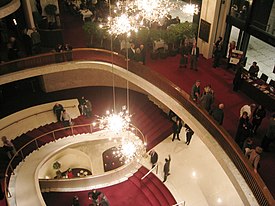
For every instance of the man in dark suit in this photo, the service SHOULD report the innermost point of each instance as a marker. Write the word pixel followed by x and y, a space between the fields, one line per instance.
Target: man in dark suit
pixel 166 168
pixel 189 134
pixel 154 157
pixel 132 52
pixel 194 57
pixel 177 128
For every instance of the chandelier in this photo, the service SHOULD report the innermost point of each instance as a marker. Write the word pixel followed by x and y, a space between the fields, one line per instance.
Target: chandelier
pixel 119 129
pixel 190 9
pixel 115 122
pixel 131 148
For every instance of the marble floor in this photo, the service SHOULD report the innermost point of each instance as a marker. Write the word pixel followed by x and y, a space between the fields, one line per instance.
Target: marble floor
pixel 197 178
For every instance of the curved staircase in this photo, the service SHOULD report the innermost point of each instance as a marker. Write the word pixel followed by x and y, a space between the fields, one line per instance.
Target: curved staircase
pixel 147 192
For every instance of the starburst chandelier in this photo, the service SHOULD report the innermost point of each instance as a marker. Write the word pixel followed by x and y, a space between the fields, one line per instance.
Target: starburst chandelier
pixel 130 145
pixel 190 9
pixel 115 122
pixel 131 148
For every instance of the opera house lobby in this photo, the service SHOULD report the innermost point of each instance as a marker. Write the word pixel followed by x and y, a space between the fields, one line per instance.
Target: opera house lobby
pixel 107 109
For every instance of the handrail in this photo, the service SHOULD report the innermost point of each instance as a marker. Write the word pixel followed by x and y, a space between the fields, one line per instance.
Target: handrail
pixel 19 152
pixel 256 184
pixel 31 116
pixel 151 170
pixel 180 203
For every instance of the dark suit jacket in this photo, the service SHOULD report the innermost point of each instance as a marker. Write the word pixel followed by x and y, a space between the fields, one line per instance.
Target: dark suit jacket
pixel 154 157
pixel 166 167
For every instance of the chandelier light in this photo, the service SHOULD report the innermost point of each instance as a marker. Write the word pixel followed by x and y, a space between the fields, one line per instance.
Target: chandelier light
pixel 190 9
pixel 115 122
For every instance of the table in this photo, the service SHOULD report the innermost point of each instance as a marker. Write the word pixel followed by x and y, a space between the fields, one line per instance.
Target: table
pixel 86 13
pixel 260 92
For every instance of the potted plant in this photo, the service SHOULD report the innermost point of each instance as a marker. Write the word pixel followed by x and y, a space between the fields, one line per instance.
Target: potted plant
pixel 176 33
pixel 57 166
pixel 92 30
pixel 155 35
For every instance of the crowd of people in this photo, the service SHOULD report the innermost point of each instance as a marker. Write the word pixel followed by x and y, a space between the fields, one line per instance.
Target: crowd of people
pixel 96 197
pixel 251 117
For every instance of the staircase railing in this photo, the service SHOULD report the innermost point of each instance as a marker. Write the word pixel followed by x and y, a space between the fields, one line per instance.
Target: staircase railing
pixel 180 203
pixel 151 170
pixel 20 154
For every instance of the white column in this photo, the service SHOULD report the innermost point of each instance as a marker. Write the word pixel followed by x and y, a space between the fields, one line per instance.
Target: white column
pixel 214 12
pixel 28 13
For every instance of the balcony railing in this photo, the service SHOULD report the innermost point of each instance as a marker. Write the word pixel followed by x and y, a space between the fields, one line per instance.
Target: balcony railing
pixel 254 181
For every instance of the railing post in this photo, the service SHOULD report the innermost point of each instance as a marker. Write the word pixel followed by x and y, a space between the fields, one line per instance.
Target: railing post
pixel 12 169
pixel 54 136
pixel 72 130
pixel 91 128
pixel 9 194
pixel 22 155
pixel 36 144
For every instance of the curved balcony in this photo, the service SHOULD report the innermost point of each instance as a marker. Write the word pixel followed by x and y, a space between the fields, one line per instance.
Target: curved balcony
pixel 7 7
pixel 20 69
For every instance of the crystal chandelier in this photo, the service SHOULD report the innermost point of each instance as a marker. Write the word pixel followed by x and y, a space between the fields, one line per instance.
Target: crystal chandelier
pixel 190 9
pixel 123 133
pixel 130 148
pixel 115 122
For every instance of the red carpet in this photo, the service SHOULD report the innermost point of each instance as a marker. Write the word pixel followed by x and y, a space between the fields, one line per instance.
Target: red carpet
pixel 149 192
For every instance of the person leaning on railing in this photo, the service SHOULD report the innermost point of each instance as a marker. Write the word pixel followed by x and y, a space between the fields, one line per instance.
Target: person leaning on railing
pixel 8 147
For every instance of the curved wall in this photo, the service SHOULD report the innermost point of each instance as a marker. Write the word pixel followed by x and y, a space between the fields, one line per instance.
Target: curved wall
pixel 9 8
pixel 69 158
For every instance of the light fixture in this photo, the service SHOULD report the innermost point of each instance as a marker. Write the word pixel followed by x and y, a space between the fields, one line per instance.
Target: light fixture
pixel 190 9
pixel 115 122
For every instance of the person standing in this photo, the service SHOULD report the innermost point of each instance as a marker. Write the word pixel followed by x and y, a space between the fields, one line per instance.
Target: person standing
pixel 189 134
pixel 88 108
pixel 194 57
pixel 8 147
pixel 154 157
pixel 57 110
pixel 132 52
pixel 143 54
pixel 254 156
pixel 36 41
pixel 184 51
pixel 217 52
pixel 243 130
pixel 166 168
pixel 176 129
pixel 196 91
pixel 257 117
pixel 238 79
pixel 207 100
pixel 65 117
pixel 249 109
pixel 218 114
pixel 253 70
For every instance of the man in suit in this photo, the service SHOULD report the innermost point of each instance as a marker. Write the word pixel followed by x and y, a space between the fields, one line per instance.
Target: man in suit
pixel 166 168
pixel 132 52
pixel 154 157
pixel 189 134
pixel 194 57
pixel 177 128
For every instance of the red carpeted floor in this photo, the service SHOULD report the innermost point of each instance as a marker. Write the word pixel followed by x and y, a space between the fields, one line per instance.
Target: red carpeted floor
pixel 149 192
pixel 220 79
